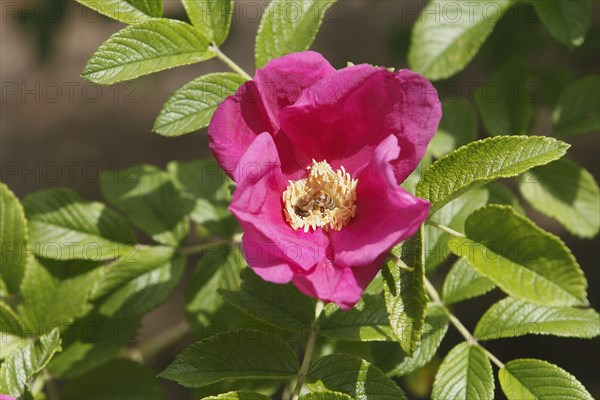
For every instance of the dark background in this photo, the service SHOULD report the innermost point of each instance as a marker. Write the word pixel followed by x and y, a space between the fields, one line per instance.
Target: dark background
pixel 59 130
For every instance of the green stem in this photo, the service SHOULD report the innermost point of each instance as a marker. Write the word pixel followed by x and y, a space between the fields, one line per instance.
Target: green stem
pixel 445 228
pixel 310 348
pixel 435 297
pixel 164 340
pixel 229 62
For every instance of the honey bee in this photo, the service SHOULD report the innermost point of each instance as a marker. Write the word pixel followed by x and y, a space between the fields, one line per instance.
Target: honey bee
pixel 315 200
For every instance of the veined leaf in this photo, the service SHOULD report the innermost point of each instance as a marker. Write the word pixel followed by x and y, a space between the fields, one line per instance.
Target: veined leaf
pixel 568 21
pixel 150 46
pixel 210 187
pixel 219 268
pixel 578 109
pixel 10 323
pixel 56 293
pixel 326 395
pixel 192 106
pixel 238 396
pixel 117 379
pixel 352 376
pixel 457 127
pixel 566 192
pixel 465 374
pixel 288 26
pixel 530 379
pixel 395 362
pixel 63 226
pixel 464 282
pixel 511 317
pixel 128 11
pixel 503 102
pixel 211 17
pixel 91 342
pixel 483 161
pixel 521 258
pixel 27 360
pixel 446 38
pixel 233 355
pixel 132 286
pixel 405 296
pixel 282 306
pixel 365 322
pixel 151 201
pixel 13 239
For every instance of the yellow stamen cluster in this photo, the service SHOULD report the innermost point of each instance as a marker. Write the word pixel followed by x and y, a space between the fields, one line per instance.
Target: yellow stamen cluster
pixel 326 199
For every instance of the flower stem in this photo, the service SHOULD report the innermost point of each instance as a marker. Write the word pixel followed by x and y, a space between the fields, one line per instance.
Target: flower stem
pixel 445 228
pixel 164 340
pixel 229 62
pixel 310 348
pixel 435 297
pixel 50 386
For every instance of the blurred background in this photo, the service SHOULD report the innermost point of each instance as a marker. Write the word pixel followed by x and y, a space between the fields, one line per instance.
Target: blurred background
pixel 56 129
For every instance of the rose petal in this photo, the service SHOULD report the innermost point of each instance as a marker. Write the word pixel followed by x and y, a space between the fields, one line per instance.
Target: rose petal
pixel 258 205
pixel 385 213
pixel 347 114
pixel 282 81
pixel 235 125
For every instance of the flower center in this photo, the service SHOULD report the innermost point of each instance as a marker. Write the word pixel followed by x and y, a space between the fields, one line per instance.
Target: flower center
pixel 326 199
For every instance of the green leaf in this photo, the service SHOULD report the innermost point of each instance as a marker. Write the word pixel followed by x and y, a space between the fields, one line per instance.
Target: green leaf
pixel 9 321
pixel 326 395
pixel 511 317
pixel 150 46
pixel 352 376
pixel 128 11
pixel 133 286
pixel 151 201
pixel 530 379
pixel 118 379
pixel 192 106
pixel 503 102
pixel 282 306
pixel 464 282
pixel 366 321
pixel 483 161
pixel 238 396
pixel 13 239
pixel 90 342
pixel 457 127
pixel 394 361
pixel 288 26
pixel 209 186
pixel 63 226
pixel 27 360
pixel 465 373
pixel 211 17
pixel 578 108
pixel 566 192
pixel 55 293
pixel 405 296
pixel 521 258
pixel 567 20
pixel 219 268
pixel 233 355
pixel 446 38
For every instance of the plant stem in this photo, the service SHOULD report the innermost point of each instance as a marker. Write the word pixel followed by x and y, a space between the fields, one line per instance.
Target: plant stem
pixel 435 297
pixel 164 340
pixel 229 62
pixel 445 228
pixel 310 348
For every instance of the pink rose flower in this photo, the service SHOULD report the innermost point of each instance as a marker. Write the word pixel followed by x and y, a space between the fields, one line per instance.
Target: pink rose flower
pixel 318 155
pixel 6 397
